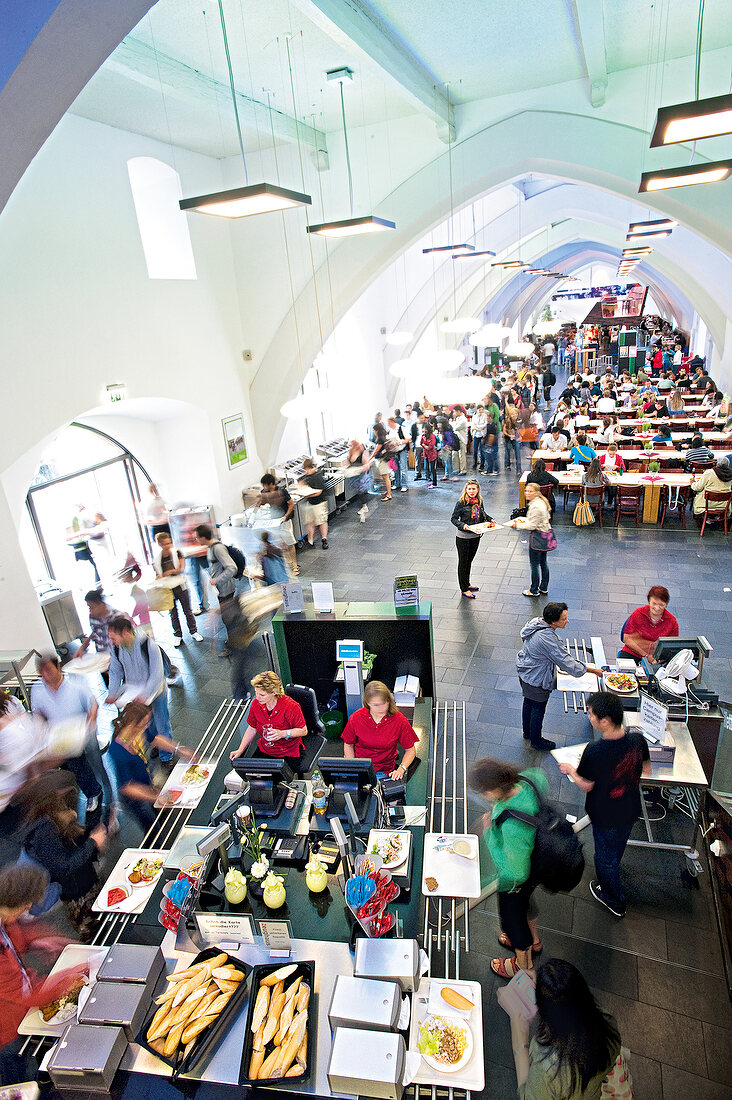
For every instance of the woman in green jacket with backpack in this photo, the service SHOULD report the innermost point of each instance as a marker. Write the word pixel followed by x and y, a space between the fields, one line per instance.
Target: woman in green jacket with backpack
pixel 510 846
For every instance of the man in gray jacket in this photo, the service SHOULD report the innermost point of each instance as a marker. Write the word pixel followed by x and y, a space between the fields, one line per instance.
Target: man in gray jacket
pixel 537 662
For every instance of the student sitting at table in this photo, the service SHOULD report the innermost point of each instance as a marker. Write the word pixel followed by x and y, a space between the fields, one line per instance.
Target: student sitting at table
pixel 658 409
pixel 539 475
pixel 698 452
pixel 676 404
pixel 582 451
pixel 376 729
pixel 555 440
pixel 274 718
pixel 606 434
pixel 663 435
pixel 611 460
pixel 716 480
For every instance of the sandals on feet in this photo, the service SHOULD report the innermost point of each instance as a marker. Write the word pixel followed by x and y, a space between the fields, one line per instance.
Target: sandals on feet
pixel 537 946
pixel 528 592
pixel 505 968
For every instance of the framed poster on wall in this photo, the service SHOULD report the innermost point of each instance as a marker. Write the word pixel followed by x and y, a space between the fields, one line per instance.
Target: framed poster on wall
pixel 236 444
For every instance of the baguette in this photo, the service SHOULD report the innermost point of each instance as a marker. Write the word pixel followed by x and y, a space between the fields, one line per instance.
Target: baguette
pixel 227 973
pixel 256 1064
pixel 167 996
pixel 279 975
pixel 173 1040
pixel 298 1028
pixel 293 988
pixel 226 986
pixel 288 1051
pixel 302 1052
pixel 268 1065
pixel 182 975
pixel 158 1046
pixel 303 998
pixel 197 1027
pixel 258 1043
pixel 154 1032
pixel 456 999
pixel 187 987
pixel 277 988
pixel 219 1004
pixel 260 1008
pixel 273 1018
pixel 285 1020
pixel 295 1071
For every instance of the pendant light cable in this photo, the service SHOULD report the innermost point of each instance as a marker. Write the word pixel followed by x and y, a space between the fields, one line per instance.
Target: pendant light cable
pixel 233 91
pixel 348 155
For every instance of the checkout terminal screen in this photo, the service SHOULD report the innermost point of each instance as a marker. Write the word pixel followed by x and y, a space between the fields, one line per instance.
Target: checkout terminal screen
pixel 722 777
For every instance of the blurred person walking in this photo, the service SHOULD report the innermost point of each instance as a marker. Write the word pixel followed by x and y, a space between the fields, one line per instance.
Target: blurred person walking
pixel 281 507
pixel 316 508
pixel 169 562
pixel 460 427
pixel 57 698
pixel 136 662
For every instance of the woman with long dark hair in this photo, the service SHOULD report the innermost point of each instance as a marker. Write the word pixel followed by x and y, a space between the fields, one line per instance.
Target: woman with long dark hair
pixel 63 847
pixel 574 1047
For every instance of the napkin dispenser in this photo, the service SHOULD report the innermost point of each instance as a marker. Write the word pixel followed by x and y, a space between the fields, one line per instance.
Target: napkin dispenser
pixel 364 1003
pixel 366 1063
pixel 122 1004
pixel 132 962
pixel 390 961
pixel 86 1058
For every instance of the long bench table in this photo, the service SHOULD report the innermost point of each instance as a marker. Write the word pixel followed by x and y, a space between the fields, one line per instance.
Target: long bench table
pixel 651 483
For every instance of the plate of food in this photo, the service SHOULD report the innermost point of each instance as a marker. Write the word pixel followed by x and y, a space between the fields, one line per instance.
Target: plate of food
pixel 116 894
pixel 194 776
pixel 623 683
pixel 64 1008
pixel 480 528
pixel 393 847
pixel 144 871
pixel 445 1042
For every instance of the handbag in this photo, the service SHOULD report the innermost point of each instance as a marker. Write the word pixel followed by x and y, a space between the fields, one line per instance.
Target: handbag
pixel 160 598
pixel 583 515
pixel 543 540
pixel 618 1085
pixel 529 435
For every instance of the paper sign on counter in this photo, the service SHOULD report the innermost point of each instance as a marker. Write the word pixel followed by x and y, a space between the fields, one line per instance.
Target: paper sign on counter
pixel 276 936
pixel 216 926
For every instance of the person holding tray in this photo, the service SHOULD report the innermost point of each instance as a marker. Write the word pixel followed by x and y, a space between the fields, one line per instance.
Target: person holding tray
pixel 467 514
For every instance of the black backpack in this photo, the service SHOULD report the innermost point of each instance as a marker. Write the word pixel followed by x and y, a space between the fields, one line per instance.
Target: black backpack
pixel 169 669
pixel 557 861
pixel 238 559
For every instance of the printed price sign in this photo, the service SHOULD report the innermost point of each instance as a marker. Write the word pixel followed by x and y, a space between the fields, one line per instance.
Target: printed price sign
pixel 216 926
pixel 276 936
pixel 292 597
pixel 406 591
pixel 653 716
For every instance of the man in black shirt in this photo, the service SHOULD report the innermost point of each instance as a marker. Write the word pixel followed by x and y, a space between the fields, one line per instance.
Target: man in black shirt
pixel 316 512
pixel 610 772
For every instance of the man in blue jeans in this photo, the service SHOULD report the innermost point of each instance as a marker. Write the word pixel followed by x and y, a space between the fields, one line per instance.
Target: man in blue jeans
pixel 610 772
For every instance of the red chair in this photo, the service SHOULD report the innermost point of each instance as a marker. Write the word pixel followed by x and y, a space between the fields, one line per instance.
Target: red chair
pixel 680 503
pixel 629 502
pixel 594 495
pixel 548 465
pixel 567 490
pixel 637 465
pixel 716 514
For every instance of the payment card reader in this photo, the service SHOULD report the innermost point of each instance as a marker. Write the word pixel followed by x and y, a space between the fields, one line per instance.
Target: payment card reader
pixel 350 654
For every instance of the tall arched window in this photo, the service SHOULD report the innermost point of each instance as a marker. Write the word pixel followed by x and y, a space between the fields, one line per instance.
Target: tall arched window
pixel 163 227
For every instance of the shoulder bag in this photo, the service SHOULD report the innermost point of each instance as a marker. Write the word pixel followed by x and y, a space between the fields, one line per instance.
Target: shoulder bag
pixel 543 540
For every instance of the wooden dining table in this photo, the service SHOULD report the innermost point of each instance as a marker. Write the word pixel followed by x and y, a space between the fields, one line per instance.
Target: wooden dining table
pixel 651 483
pixel 661 454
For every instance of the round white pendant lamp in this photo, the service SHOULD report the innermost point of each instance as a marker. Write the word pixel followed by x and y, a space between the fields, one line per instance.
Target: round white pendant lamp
pixel 520 347
pixel 399 339
pixel 489 336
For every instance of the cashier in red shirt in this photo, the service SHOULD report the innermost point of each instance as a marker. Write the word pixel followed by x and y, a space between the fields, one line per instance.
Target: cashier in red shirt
pixel 375 730
pixel 649 623
pixel 274 718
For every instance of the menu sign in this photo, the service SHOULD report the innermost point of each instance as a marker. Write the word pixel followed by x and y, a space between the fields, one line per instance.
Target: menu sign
pixel 406 591
pixel 215 926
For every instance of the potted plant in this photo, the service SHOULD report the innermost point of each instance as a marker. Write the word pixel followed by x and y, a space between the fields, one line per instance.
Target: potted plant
pixel 654 466
pixel 251 846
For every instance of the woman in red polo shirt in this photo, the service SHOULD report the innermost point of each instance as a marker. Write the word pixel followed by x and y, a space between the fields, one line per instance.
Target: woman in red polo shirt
pixel 649 623
pixel 274 718
pixel 375 730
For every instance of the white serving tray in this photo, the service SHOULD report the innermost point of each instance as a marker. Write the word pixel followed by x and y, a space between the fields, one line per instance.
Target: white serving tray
pixel 471 1077
pixel 138 898
pixel 191 796
pixel 457 876
pixel 72 955
pixel 588 682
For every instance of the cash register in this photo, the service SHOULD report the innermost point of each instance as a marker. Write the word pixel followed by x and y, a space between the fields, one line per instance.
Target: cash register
pixel 675 676
pixel 356 778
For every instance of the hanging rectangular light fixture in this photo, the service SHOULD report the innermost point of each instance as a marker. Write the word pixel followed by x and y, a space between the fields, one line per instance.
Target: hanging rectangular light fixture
pixel 465 255
pixel 648 235
pixel 351 227
pixel 711 172
pixel 348 227
pixel 509 263
pixel 242 202
pixel 638 251
pixel 701 118
pixel 650 226
pixel 468 249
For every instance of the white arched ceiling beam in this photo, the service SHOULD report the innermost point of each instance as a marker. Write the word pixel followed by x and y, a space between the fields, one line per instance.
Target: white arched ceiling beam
pixel 489 157
pixel 54 66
